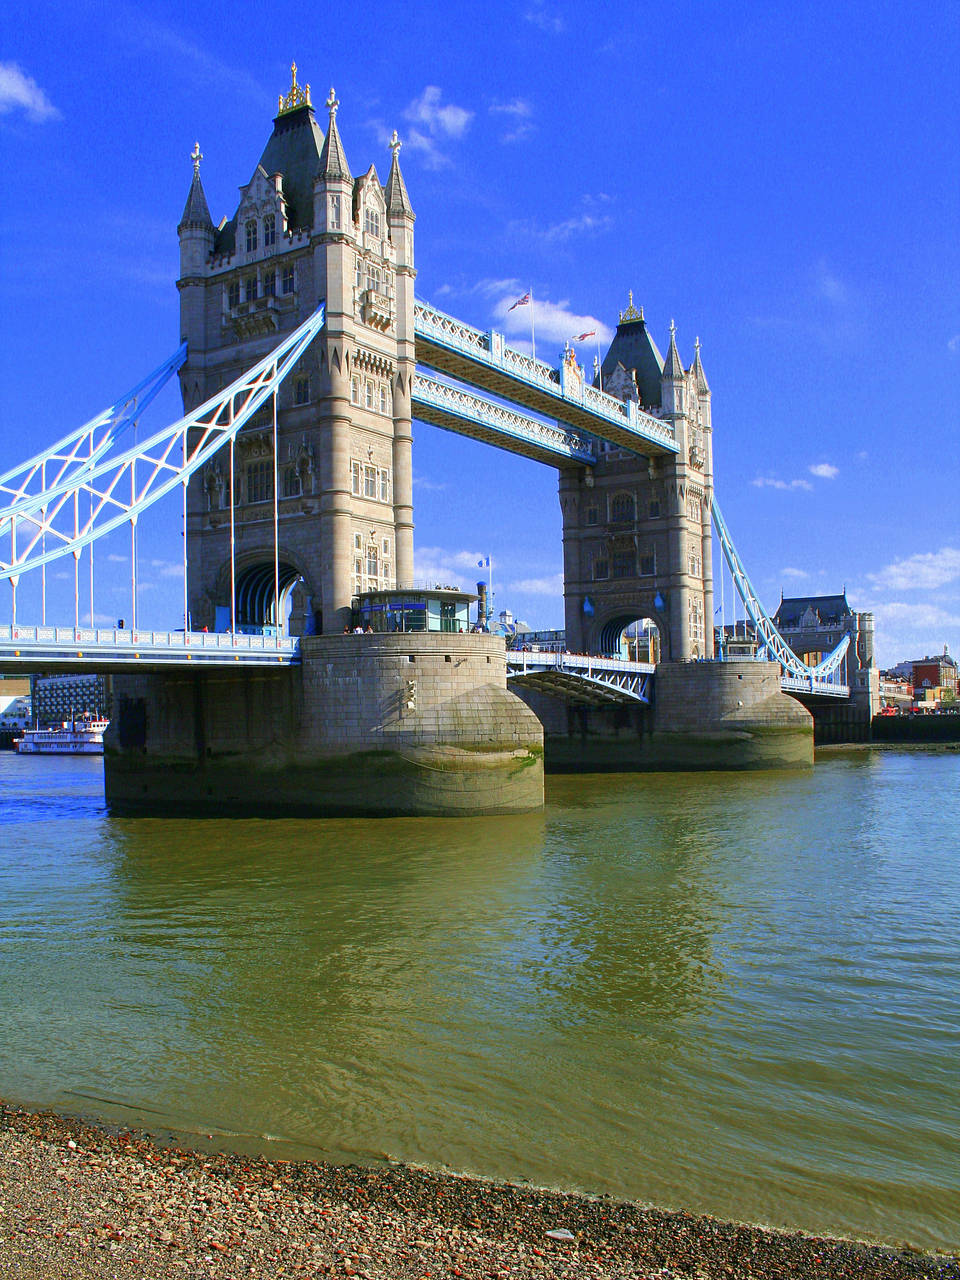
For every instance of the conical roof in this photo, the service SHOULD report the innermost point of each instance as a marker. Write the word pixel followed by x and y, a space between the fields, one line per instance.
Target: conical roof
pixel 673 367
pixel 333 159
pixel 397 199
pixel 696 369
pixel 634 348
pixel 196 212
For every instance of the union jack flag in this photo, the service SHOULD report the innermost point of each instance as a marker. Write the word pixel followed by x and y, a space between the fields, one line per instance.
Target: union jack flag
pixel 520 302
pixel 581 337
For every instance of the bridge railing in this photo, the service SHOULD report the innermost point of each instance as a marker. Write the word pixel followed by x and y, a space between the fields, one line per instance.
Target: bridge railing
pixel 129 638
pixel 582 663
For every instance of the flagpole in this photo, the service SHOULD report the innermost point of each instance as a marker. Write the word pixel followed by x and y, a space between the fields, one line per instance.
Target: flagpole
pixel 599 368
pixel 533 332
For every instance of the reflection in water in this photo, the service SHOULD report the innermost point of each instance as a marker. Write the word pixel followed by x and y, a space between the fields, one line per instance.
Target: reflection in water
pixel 732 992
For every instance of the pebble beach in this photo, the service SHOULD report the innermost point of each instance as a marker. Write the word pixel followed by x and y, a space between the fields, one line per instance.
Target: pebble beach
pixel 80 1200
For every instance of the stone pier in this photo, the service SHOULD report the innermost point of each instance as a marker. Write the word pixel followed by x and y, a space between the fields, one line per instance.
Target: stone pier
pixel 373 724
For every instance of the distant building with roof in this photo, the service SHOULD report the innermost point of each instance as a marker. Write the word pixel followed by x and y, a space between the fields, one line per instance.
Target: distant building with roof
pixel 813 626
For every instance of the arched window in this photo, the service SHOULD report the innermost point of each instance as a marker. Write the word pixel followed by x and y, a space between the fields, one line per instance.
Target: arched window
pixel 233 294
pixel 621 508
pixel 269 231
pixel 371 222
pixel 251 229
pixel 259 482
pixel 624 564
pixel 355 389
pixel 292 484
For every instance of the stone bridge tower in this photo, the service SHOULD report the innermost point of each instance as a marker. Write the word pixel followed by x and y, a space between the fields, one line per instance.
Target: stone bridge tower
pixel 637 530
pixel 305 231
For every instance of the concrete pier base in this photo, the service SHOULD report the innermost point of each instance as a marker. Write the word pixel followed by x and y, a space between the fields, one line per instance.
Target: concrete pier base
pixel 705 715
pixel 373 725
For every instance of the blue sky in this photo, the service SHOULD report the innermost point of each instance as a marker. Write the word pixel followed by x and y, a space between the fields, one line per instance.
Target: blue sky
pixel 782 180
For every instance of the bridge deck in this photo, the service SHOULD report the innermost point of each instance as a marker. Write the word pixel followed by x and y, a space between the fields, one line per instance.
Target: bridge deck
pixel 111 650
pixel 485 360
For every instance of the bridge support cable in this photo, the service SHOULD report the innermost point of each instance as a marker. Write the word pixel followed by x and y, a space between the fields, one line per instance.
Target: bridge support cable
pixel 46 531
pixel 23 488
pixel 796 673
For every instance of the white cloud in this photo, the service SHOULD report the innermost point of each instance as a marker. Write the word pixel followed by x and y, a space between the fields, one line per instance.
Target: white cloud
pixel 427 485
pixel 168 568
pixel 117 559
pixel 911 630
pixel 953 344
pixel 794 573
pixel 518 114
pixel 771 482
pixel 548 20
pixel 922 572
pixel 18 91
pixel 829 286
pixel 449 568
pixel 592 219
pixel 553 321
pixel 549 586
pixel 183 57
pixel 824 470
pixel 433 123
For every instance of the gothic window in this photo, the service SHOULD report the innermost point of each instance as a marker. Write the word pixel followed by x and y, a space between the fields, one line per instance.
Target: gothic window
pixel 383 398
pixel 384 485
pixel 601 569
pixel 358 279
pixel 269 230
pixel 369 481
pixel 355 389
pixel 233 294
pixel 292 484
pixel 621 508
pixel 694 509
pixel 268 282
pixel 368 394
pixel 648 564
pixel 356 481
pixel 371 222
pixel 301 393
pixel 259 482
pixel 624 564
pixel 286 280
pixel 358 542
pixel 334 213
pixel 592 515
pixel 386 546
pixel 374 277
pixel 251 230
pixel 696 620
pixel 694 563
pixel 250 288
pixel 372 562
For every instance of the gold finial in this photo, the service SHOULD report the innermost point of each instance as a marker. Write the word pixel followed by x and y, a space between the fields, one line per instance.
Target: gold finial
pixel 395 144
pixel 631 312
pixel 332 104
pixel 196 157
pixel 299 95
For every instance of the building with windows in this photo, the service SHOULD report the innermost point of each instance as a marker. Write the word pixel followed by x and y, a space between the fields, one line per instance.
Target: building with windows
pixel 333 454
pixel 813 626
pixel 66 697
pixel 934 680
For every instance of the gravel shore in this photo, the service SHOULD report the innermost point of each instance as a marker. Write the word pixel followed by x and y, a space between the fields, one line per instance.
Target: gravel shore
pixel 81 1201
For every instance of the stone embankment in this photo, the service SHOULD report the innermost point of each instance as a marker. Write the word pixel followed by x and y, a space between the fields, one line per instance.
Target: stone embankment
pixel 78 1202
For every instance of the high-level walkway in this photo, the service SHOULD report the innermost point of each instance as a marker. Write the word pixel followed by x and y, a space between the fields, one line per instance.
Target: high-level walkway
pixel 485 360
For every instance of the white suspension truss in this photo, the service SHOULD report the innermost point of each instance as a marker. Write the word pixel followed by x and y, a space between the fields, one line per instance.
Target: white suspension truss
pixel 117 490
pixel 771 641
pixel 25 487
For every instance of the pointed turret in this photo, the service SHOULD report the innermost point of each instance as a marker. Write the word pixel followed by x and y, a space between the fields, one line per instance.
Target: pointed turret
pixel 196 212
pixel 703 387
pixel 634 349
pixel 673 366
pixel 333 160
pixel 398 202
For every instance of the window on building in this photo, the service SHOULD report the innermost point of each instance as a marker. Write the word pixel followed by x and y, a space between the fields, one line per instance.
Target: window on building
pixel 301 391
pixel 251 230
pixel 334 213
pixel 601 568
pixel 623 564
pixel 621 508
pixel 368 393
pixel 250 288
pixel 292 484
pixel 358 278
pixel 694 564
pixel 358 542
pixel 369 481
pixel 694 508
pixel 286 280
pixel 654 509
pixel 356 482
pixel 385 546
pixel 696 620
pixel 371 222
pixel 373 564
pixel 358 571
pixel 268 283
pixel 269 230
pixel 233 294
pixel 355 389
pixel 374 277
pixel 383 398
pixel 384 485
pixel 592 515
pixel 648 564
pixel 259 482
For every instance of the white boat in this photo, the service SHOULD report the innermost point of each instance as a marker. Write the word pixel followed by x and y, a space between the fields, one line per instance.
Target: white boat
pixel 73 738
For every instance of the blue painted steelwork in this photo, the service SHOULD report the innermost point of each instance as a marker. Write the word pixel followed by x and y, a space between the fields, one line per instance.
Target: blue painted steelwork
pixel 797 677
pixel 108 649
pixel 79 451
pixel 485 360
pixel 461 410
pixel 146 472
pixel 595 680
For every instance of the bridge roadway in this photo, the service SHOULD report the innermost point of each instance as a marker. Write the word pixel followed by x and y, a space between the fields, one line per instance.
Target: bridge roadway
pixel 582 678
pixel 107 651
pixel 485 360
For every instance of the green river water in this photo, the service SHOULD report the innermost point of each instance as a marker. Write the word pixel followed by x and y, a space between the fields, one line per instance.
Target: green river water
pixel 733 993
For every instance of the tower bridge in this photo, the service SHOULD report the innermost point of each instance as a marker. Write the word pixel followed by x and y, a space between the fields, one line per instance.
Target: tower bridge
pixel 305 357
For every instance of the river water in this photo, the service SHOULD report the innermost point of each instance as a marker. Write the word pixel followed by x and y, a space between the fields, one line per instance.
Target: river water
pixel 733 993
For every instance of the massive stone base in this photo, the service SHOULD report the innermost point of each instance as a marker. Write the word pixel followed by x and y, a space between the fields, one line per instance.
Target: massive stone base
pixel 706 715
pixel 375 725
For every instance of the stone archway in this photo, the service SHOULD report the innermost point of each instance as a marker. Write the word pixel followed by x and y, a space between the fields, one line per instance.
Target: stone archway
pixel 255 594
pixel 639 636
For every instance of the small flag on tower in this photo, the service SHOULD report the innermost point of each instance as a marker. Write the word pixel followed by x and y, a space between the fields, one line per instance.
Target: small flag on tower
pixel 581 337
pixel 484 563
pixel 520 302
